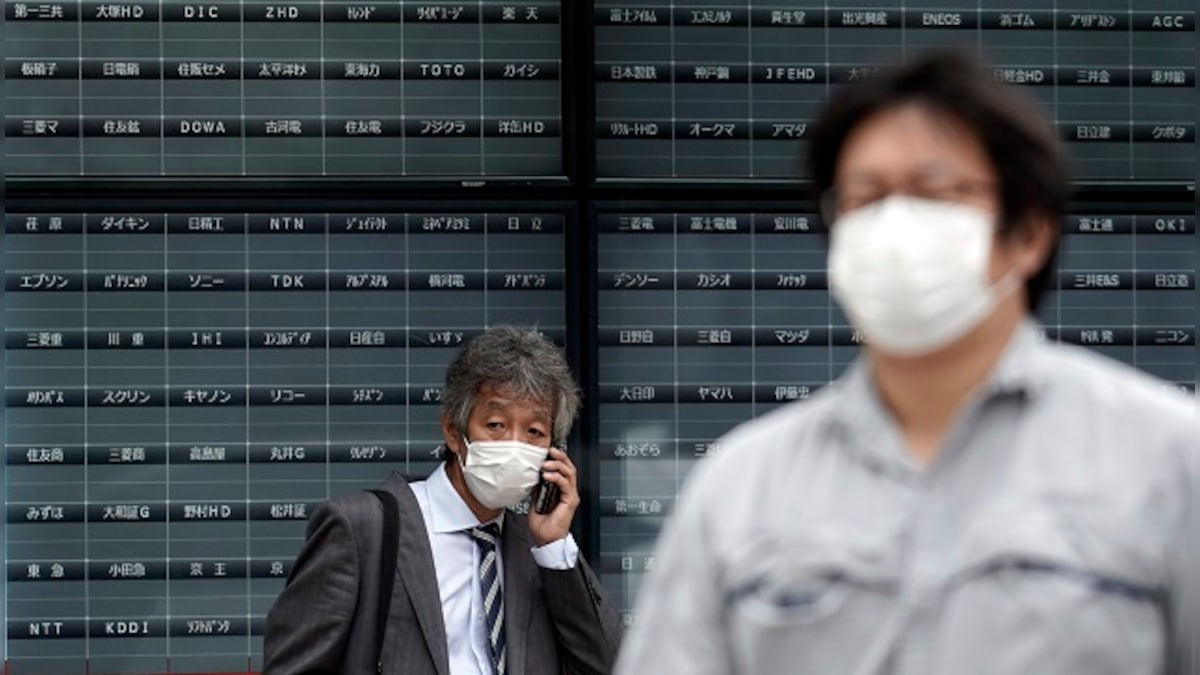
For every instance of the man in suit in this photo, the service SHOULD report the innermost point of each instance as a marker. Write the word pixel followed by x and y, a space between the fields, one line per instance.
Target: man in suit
pixel 478 589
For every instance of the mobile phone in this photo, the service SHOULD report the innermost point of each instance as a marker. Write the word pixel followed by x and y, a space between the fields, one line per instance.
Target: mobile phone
pixel 547 494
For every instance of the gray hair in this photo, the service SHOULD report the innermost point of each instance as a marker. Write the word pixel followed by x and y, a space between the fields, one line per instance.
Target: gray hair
pixel 519 362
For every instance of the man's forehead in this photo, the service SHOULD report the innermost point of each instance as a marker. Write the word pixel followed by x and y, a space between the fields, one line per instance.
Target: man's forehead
pixel 912 136
pixel 499 399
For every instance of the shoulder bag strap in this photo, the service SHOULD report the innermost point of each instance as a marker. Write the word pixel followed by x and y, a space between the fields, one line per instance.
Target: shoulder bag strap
pixel 390 542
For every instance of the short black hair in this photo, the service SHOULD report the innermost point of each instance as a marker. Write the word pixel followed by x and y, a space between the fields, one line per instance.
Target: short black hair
pixel 1013 129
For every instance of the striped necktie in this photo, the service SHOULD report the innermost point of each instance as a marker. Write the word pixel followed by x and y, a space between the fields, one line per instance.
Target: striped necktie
pixel 486 538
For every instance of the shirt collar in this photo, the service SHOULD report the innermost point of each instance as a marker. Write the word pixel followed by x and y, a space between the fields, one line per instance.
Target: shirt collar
pixel 1016 372
pixel 447 510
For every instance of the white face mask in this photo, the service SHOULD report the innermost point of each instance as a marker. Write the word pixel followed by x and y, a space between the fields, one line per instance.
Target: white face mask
pixel 501 473
pixel 912 274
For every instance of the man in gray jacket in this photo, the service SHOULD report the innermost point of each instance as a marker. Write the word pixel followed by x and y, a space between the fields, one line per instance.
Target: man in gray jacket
pixel 478 589
pixel 966 498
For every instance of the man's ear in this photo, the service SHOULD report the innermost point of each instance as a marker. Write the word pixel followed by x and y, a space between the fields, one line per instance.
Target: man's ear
pixel 451 436
pixel 1032 242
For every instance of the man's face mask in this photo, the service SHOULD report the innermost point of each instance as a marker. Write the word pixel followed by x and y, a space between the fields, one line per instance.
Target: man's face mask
pixel 912 274
pixel 501 473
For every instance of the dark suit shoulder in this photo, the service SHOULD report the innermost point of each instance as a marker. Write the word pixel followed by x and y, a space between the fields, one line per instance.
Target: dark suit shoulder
pixel 358 501
pixel 361 512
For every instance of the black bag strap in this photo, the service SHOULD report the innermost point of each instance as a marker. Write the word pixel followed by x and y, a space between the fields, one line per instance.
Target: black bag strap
pixel 390 545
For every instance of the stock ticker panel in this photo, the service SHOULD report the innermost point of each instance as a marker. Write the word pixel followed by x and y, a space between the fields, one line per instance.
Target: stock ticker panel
pixel 311 88
pixel 707 318
pixel 718 89
pixel 183 388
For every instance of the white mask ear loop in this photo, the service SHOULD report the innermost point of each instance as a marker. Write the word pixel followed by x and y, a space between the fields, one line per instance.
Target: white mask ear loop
pixel 1005 286
pixel 462 457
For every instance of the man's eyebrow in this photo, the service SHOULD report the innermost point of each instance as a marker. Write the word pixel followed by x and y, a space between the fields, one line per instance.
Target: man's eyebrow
pixel 934 170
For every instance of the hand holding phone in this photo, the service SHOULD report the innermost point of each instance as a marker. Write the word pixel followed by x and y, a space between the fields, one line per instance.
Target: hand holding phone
pixel 552 507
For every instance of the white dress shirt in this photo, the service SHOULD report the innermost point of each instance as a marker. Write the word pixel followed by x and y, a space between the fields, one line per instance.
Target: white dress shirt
pixel 456 559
